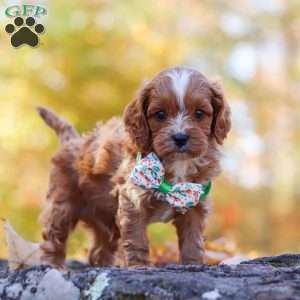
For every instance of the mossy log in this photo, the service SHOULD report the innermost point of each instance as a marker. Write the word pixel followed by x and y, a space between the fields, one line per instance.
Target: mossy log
pixel 264 278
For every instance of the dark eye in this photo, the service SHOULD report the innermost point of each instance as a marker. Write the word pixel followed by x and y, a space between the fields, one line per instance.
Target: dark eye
pixel 160 115
pixel 199 114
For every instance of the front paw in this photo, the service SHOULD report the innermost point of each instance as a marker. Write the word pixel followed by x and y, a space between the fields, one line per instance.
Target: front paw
pixel 140 266
pixel 199 261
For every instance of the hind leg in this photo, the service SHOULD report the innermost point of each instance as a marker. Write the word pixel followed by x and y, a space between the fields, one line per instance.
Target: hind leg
pixel 104 245
pixel 59 218
pixel 58 223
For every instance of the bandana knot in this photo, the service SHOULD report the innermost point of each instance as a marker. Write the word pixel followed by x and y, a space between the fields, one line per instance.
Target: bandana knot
pixel 149 173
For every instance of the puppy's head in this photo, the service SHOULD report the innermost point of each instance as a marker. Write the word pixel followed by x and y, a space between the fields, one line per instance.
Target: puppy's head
pixel 178 114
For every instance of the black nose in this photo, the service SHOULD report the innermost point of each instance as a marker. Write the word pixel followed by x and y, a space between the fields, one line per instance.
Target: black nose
pixel 180 139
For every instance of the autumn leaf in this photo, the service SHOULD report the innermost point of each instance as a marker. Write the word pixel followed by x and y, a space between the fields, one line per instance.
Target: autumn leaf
pixel 21 253
pixel 235 260
pixel 215 257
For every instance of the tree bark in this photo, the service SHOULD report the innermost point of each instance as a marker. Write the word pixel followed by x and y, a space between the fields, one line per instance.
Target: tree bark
pixel 264 278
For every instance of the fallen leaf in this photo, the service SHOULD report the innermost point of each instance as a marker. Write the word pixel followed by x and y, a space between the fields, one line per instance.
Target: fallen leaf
pixel 235 260
pixel 222 245
pixel 214 257
pixel 21 253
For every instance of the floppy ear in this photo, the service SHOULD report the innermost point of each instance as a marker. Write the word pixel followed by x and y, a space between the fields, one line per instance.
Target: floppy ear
pixel 221 121
pixel 136 122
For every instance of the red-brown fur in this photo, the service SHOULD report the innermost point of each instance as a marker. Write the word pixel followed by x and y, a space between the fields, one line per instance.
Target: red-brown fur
pixel 89 180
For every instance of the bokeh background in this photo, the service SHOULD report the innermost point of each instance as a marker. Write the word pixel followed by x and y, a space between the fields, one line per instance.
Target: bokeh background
pixel 92 58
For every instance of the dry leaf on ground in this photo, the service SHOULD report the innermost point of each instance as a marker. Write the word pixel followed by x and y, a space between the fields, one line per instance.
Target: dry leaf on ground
pixel 21 253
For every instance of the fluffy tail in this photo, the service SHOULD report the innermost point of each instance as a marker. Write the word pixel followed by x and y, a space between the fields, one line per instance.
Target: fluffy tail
pixel 63 129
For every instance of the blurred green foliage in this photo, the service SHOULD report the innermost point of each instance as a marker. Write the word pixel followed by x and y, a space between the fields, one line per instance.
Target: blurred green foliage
pixel 94 55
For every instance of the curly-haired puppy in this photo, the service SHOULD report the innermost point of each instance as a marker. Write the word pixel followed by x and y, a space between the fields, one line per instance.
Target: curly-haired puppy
pixel 182 117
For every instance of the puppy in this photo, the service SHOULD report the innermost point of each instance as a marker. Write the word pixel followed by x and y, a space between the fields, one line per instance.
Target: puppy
pixel 179 115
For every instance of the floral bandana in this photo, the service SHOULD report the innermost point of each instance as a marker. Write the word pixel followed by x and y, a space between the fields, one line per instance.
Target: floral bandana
pixel 148 173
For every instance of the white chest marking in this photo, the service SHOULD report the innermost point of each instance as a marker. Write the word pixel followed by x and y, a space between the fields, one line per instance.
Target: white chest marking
pixel 180 169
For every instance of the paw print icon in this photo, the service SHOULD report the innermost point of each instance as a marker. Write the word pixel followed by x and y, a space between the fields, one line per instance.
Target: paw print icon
pixel 24 32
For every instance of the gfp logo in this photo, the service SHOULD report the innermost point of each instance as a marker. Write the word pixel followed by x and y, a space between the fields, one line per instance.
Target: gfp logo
pixel 24 30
